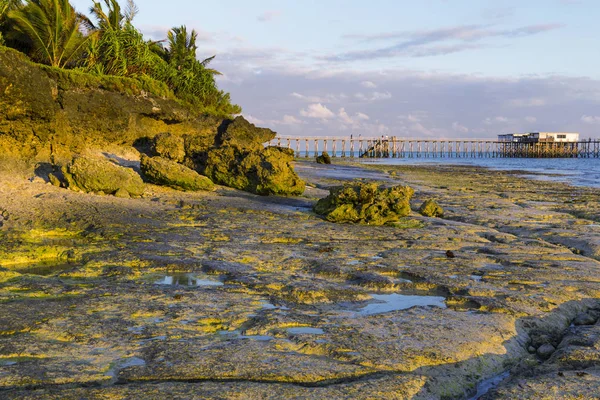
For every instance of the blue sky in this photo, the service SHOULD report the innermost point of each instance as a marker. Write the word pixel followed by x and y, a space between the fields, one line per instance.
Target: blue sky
pixel 429 68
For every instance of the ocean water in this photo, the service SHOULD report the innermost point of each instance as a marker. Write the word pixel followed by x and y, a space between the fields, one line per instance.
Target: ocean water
pixel 575 171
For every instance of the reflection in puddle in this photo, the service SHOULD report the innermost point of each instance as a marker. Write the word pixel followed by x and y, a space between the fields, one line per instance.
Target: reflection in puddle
pixel 305 330
pixel 45 268
pixel 394 302
pixel 188 280
pixel 238 335
pixel 485 386
pixel 125 363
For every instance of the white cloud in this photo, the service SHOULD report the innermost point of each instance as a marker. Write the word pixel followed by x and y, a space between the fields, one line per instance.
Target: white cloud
pixel 495 120
pixel 368 84
pixel 290 120
pixel 375 96
pixel 589 119
pixel 254 120
pixel 531 102
pixel 362 116
pixel 344 117
pixel 531 120
pixel 457 127
pixel 268 16
pixel 318 111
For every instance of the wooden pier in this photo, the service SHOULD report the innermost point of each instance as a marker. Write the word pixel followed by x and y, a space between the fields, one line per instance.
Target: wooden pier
pixel 393 147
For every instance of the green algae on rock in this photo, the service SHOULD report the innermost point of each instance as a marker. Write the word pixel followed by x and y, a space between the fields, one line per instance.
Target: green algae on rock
pixel 99 175
pixel 169 146
pixel 430 208
pixel 324 158
pixel 265 172
pixel 165 172
pixel 242 135
pixel 365 203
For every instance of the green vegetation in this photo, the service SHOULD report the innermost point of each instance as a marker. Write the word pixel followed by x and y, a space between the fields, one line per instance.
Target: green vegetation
pixel 51 29
pixel 51 32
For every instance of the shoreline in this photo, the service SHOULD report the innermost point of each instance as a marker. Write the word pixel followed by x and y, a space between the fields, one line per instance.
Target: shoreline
pixel 512 286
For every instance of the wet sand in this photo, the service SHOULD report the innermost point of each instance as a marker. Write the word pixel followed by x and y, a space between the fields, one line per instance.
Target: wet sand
pixel 231 295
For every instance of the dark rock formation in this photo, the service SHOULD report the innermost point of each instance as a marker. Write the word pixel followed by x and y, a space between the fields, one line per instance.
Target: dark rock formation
pixel 324 158
pixel 365 203
pixel 430 208
pixel 266 171
pixel 244 136
pixel 47 111
pixel 49 114
pixel 99 175
pixel 169 146
pixel 169 173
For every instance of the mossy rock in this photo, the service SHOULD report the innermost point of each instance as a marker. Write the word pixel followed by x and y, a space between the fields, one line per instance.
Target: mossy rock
pixel 265 172
pixel 165 172
pixel 169 146
pixel 99 175
pixel 244 136
pixel 430 208
pixel 324 158
pixel 365 203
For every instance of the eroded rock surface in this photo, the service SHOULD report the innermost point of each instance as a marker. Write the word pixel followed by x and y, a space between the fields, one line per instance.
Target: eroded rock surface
pixel 224 294
pixel 267 171
pixel 365 204
pixel 100 175
pixel 165 172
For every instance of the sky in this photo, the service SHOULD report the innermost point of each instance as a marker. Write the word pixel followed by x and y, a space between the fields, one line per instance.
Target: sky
pixel 412 69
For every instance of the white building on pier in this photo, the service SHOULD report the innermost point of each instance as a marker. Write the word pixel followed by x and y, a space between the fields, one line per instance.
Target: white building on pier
pixel 539 137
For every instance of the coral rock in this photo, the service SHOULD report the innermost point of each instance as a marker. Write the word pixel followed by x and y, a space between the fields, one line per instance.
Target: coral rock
pixel 365 204
pixel 99 175
pixel 430 208
pixel 169 146
pixel 324 158
pixel 265 172
pixel 161 171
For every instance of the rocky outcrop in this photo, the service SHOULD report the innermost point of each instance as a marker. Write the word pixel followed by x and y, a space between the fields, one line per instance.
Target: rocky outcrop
pixel 161 171
pixel 265 172
pixel 323 158
pixel 50 114
pixel 99 175
pixel 169 146
pixel 365 203
pixel 430 208
pixel 241 161
pixel 47 111
pixel 244 136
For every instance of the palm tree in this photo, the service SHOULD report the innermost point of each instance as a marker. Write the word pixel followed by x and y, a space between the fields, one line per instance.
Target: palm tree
pixel 182 50
pixel 53 30
pixel 118 48
pixel 113 18
pixel 182 47
pixel 5 7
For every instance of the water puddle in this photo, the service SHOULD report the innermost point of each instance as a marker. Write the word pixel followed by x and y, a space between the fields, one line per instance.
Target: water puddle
pixel 238 335
pixel 188 280
pixel 485 386
pixel 45 268
pixel 305 330
pixel 125 363
pixel 394 302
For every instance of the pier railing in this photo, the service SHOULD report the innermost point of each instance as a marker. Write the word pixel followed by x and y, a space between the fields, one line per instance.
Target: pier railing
pixel 393 147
